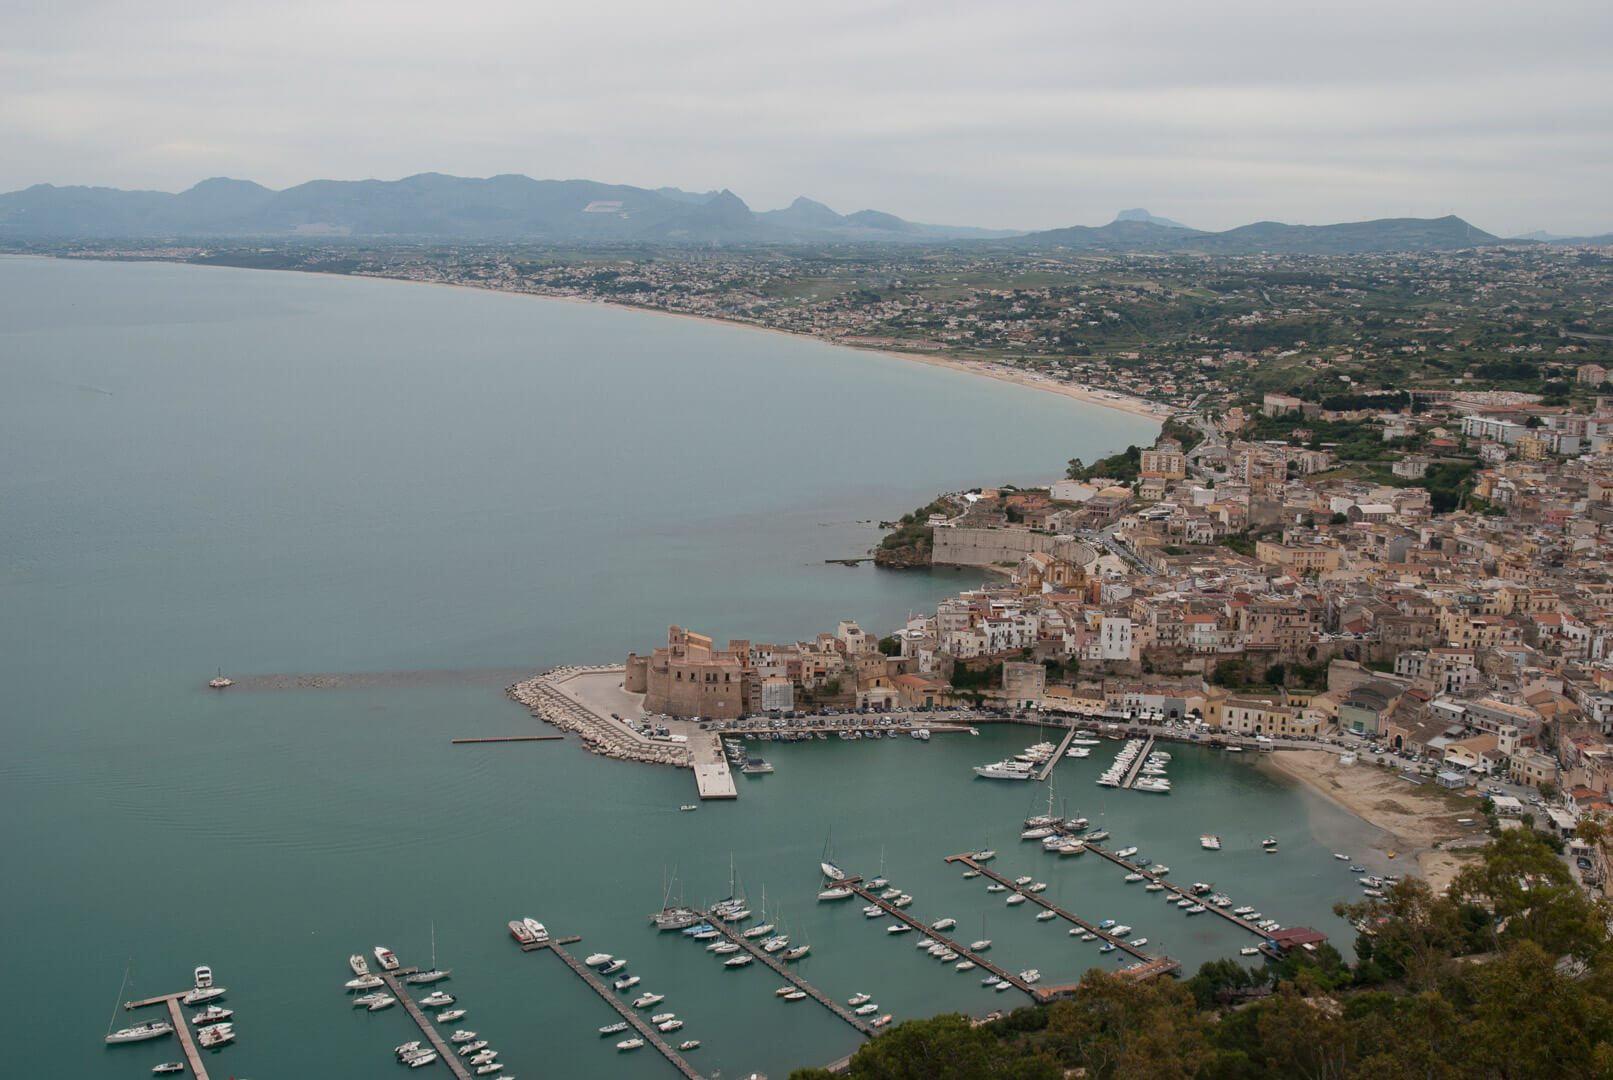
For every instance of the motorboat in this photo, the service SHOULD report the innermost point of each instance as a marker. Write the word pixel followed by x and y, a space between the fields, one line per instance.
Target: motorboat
pixel 873 911
pixel 201 994
pixel 1119 930
pixel 483 1057
pixel 1160 871
pixel 1004 770
pixel 794 995
pixel 1086 935
pixel 1036 887
pixel 1017 898
pixel 437 1000
pixel 1125 853
pixel 169 1067
pixel 424 1057
pixel 1248 950
pixel 359 965
pixel 881 1021
pixel 708 933
pixel 364 982
pixel 902 901
pixel 538 931
pixel 673 1025
pixel 996 886
pixel 693 1044
pixel 467 1036
pixel 598 958
pixel 963 965
pixel 967 874
pixel 1137 943
pixel 742 960
pixel 1358 869
pixel 859 999
pixel 897 928
pixel 386 958
pixel 1031 975
pixel 1196 909
pixel 472 1047
pixel 1154 886
pixel 1210 843
pixel 492 1067
pixel 980 946
pixel 613 967
pixel 890 894
pixel 385 1001
pixel 612 1029
pixel 627 982
pixel 1037 833
pixel 943 924
pixel 406 1048
pixel 645 1000
pixel 1107 946
pixel 866 1009
pixel 688 806
pixel 450 1015
pixel 1046 915
pixel 213 1014
pixel 151 1029
pixel 836 892
pixel 1244 910
pixel 1026 880
pixel 630 1044
pixel 217 1035
pixel 1341 858
pixel 775 943
pixel 1097 836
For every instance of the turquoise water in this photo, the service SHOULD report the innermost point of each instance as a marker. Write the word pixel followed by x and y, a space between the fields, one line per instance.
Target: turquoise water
pixel 278 473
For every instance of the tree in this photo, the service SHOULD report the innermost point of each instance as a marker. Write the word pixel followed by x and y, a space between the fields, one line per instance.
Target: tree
pixel 890 646
pixel 945 1048
pixel 1531 895
pixel 1076 469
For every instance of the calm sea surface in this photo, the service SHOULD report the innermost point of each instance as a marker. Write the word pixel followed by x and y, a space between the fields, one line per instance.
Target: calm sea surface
pixel 280 474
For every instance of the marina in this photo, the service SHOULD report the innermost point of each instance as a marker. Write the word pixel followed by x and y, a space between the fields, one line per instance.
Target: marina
pixel 444 1053
pixel 1058 755
pixel 1137 764
pixel 771 961
pixel 187 1040
pixel 646 1031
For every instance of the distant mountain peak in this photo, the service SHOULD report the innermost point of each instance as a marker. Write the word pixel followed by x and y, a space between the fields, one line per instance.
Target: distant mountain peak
pixel 1139 214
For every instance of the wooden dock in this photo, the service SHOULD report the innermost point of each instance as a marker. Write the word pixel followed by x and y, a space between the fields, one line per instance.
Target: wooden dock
pixel 509 738
pixel 449 1056
pixel 187 1041
pixel 1068 916
pixel 855 884
pixel 1064 745
pixel 1137 765
pixel 795 980
pixel 1176 890
pixel 646 1031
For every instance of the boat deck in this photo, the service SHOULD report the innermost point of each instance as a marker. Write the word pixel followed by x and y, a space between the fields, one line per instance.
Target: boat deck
pixel 795 980
pixel 646 1031
pixel 1064 746
pixel 445 1052
pixel 1068 916
pixel 935 935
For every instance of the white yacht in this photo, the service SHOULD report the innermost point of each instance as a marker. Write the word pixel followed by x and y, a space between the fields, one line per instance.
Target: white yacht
pixel 866 1009
pixel 859 999
pixel 437 1000
pixel 363 982
pixel 1046 915
pixel 467 1036
pixel 980 946
pixel 359 965
pixel 943 924
pixel 1210 843
pixel 613 967
pixel 423 1058
pixel 1004 770
pixel 630 1044
pixel 836 892
pixel 1031 975
pixel 368 999
pixel 645 1000
pixel 538 931
pixel 627 982
pixel 202 994
pixel 757 931
pixel 609 1029
pixel 217 1035
pixel 151 1029
pixel 386 958
pixel 897 928
pixel 689 1044
pixel 385 1001
pixel 450 1015
pixel 902 901
pixel 1017 898
pixel 472 1047
pixel 213 1014
pixel 169 1067
pixel 598 958
pixel 744 959
pixel 831 871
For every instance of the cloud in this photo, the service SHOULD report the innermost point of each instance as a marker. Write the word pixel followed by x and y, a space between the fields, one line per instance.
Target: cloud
pixel 1015 114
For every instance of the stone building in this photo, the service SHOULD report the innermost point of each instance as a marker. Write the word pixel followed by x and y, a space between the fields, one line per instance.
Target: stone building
pixel 688 677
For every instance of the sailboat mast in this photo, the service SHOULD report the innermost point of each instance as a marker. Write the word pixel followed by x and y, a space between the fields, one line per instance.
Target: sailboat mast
pixel 117 1000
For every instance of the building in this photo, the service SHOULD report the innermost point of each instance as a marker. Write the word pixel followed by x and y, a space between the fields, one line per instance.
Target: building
pixel 1531 767
pixel 688 677
pixel 778 694
pixel 1590 374
pixel 1024 684
pixel 1170 464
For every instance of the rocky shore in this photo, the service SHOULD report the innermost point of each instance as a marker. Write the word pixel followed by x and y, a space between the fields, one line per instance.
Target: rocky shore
pixel 543 696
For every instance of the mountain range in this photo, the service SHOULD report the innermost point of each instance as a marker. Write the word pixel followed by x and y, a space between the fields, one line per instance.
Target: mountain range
pixel 433 206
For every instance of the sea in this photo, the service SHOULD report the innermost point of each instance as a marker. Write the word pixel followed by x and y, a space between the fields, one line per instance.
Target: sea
pixel 375 504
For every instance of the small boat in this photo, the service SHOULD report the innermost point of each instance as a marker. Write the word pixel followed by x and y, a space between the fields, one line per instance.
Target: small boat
pixel 1196 909
pixel 488 1069
pixel 1107 946
pixel 212 1015
pixel 996 887
pixel 1040 886
pixel 1002 984
pixel 437 999
pixel 866 1009
pixel 1153 886
pixel 836 892
pixel 386 958
pixel 943 924
pixel 612 1029
pixel 980 946
pixel 613 967
pixel 964 965
pixel 406 1048
pixel 1358 869
pixel 598 958
pixel 1031 975
pixel 368 999
pixel 902 901
pixel 873 911
pixel 661 1018
pixel 359 965
pixel 472 1047
pixel 1046 915
pixel 859 999
pixel 1341 858
pixel 1210 843
pixel 1137 943
pixel 1087 936
pixel 169 1067
pixel 795 995
pixel 364 982
pixel 688 806
pixel 967 874
pixel 1160 871
pixel 424 1057
pixel 1101 834
pixel 787 988
pixel 450 1016
pixel 630 1044
pixel 1026 880
pixel 689 1044
pixel 644 1001
pixel 881 1021
pixel 1131 878
pixel 217 1035
pixel 742 960
pixel 1248 950
pixel 1126 852
pixel 385 1001
pixel 627 982
pixel 1120 930
pixel 1106 924
pixel 1244 910
pixel 151 1029
pixel 1017 898
pixel 897 928
pixel 467 1036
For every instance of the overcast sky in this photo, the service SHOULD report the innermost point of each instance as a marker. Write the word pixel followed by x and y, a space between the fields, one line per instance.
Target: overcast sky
pixel 1012 115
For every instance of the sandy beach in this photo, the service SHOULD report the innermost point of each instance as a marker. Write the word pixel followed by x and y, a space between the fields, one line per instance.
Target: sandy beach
pixel 1416 817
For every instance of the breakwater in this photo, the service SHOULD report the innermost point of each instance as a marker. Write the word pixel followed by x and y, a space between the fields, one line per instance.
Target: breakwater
pixel 545 696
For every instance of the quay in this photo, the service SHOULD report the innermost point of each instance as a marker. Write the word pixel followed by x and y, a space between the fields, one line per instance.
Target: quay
pixel 1177 890
pixel 1137 765
pixel 445 1053
pixel 187 1041
pixel 1058 755
pixel 856 886
pixel 509 738
pixel 712 777
pixel 645 1030
pixel 1068 916
pixel 795 980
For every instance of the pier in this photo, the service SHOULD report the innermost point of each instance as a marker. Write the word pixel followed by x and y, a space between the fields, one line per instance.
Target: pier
pixel 1176 890
pixel 855 885
pixel 795 980
pixel 445 1052
pixel 1137 765
pixel 645 1029
pixel 1068 916
pixel 712 777
pixel 187 1041
pixel 1064 745
pixel 509 738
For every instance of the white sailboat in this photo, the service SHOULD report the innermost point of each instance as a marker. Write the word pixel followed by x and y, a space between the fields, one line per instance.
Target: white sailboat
pixel 433 973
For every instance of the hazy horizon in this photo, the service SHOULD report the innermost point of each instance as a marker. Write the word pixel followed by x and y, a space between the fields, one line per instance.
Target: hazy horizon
pixel 1029 116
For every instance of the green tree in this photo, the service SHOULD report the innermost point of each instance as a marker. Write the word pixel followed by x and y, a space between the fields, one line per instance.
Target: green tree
pixel 1076 469
pixel 890 646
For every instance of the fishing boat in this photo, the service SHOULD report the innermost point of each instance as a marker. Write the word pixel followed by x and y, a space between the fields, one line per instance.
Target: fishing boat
pixel 386 958
pixel 433 973
pixel 359 965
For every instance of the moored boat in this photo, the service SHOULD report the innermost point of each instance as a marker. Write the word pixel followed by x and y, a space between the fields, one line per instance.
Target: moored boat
pixel 151 1029
pixel 450 1016
pixel 359 965
pixel 169 1067
pixel 386 958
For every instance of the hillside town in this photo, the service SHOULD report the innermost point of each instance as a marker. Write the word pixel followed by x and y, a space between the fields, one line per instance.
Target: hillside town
pixel 1250 586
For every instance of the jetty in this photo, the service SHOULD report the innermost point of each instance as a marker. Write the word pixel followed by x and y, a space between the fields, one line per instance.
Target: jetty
pixel 1068 916
pixel 856 886
pixel 509 738
pixel 1176 890
pixel 782 969
pixel 1058 755
pixel 445 1052
pixel 647 1031
pixel 1137 764
pixel 187 1041
pixel 712 776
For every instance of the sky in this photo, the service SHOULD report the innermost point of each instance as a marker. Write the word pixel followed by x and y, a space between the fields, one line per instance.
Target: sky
pixel 1011 114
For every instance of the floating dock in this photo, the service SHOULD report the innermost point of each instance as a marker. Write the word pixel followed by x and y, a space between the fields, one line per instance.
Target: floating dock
pixel 855 885
pixel 1137 765
pixel 509 738
pixel 445 1052
pixel 1064 745
pixel 646 1030
pixel 795 980
pixel 1069 916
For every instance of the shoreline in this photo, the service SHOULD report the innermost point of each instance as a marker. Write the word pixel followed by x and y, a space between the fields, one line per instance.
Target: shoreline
pixel 1120 402
pixel 1415 820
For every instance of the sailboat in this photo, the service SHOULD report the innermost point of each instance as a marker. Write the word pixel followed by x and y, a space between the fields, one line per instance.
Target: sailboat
pixel 150 1029
pixel 984 942
pixel 433 973
pixel 830 870
pixel 762 928
pixel 881 881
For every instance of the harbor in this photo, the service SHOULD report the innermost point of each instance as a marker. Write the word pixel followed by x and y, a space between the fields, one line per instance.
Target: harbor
pixel 787 973
pixel 445 1053
pixel 857 887
pixel 1058 755
pixel 187 1041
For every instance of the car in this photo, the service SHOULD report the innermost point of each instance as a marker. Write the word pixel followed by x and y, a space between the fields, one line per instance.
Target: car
pixel 1583 863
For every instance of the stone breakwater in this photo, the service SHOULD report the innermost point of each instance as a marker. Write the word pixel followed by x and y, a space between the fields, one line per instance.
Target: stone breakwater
pixel 543 696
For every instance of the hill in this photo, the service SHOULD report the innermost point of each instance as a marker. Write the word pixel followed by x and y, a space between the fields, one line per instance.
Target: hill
pixel 1350 238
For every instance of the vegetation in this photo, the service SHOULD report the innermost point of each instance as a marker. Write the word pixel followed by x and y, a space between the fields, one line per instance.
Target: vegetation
pixel 1468 986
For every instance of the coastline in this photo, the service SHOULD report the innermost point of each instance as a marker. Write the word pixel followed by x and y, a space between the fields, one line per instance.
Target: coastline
pixel 1414 819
